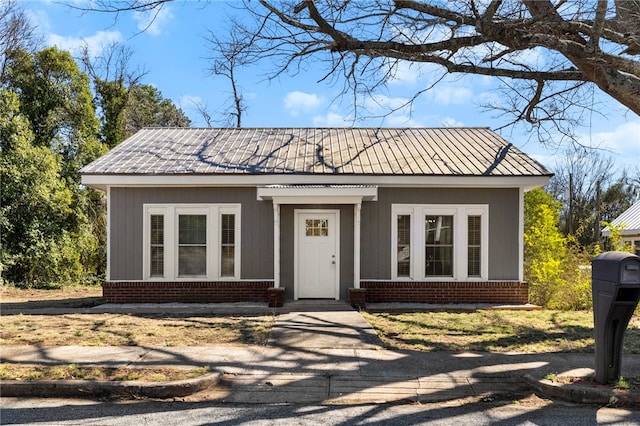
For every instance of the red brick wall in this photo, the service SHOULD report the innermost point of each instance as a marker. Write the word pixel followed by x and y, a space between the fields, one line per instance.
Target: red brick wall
pixel 186 292
pixel 446 292
pixel 257 291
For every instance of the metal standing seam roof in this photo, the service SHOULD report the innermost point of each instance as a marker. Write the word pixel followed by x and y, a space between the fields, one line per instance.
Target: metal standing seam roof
pixel 353 151
pixel 630 219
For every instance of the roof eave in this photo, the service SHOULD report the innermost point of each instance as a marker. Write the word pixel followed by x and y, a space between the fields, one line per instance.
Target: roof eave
pixel 103 181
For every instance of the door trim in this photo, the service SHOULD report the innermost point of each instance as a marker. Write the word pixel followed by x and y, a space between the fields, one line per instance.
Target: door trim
pixel 296 248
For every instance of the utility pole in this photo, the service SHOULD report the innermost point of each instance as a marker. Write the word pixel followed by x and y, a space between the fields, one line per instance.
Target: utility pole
pixel 598 218
pixel 570 218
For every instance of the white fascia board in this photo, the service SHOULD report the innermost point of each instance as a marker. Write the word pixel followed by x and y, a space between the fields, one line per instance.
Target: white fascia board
pixel 326 199
pixel 186 180
pixel 298 195
pixel 624 233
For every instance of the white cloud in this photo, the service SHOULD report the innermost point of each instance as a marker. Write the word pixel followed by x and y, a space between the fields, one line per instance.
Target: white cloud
pixel 451 122
pixel 447 94
pixel 153 21
pixel 625 136
pixel 332 119
pixel 298 102
pixel 405 72
pixel 489 98
pixel 96 43
pixel 382 103
pixel 623 141
pixel 546 160
pixel 39 19
pixel 399 120
pixel 189 101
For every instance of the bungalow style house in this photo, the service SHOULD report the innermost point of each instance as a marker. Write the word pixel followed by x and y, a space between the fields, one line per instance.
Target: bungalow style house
pixel 629 221
pixel 422 215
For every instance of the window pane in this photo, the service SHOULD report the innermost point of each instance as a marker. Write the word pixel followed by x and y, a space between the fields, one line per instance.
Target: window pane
pixel 438 246
pixel 157 229
pixel 157 261
pixel 439 229
pixel 228 238
pixel 439 261
pixel 157 246
pixel 474 230
pixel 324 227
pixel 227 268
pixel 228 228
pixel 404 245
pixel 316 227
pixel 473 249
pixel 192 229
pixel 473 261
pixel 192 245
pixel 192 260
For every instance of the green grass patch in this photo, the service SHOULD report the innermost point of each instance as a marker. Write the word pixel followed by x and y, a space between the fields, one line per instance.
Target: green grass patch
pixel 535 331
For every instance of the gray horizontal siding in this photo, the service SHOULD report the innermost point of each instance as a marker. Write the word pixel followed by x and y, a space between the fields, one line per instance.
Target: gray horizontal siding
pixel 126 211
pixel 503 226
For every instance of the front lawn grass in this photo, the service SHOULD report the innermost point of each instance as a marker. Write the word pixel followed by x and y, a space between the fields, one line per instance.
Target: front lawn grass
pixel 535 331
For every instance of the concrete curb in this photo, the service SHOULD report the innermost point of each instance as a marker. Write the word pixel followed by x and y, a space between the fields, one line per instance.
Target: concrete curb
pixel 585 393
pixel 125 389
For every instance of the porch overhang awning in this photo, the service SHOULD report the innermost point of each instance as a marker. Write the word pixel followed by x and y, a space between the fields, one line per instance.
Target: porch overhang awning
pixel 318 194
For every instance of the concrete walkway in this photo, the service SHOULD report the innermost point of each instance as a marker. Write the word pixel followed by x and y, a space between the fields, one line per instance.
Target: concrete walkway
pixel 333 355
pixel 254 374
pixel 313 325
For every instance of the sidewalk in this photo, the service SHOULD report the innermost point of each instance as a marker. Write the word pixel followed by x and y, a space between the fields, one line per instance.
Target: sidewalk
pixel 334 356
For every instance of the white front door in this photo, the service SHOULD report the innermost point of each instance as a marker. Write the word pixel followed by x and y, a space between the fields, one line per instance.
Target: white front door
pixel 317 257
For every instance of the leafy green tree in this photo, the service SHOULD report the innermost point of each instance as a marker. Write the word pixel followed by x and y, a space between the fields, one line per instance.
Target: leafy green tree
pixel 556 267
pixel 544 246
pixel 147 108
pixel 52 227
pixel 614 241
pixel 112 76
pixel 112 98
pixel 36 206
pixel 56 99
pixel 54 102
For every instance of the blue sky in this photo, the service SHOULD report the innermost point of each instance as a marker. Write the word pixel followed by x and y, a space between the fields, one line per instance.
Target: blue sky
pixel 173 49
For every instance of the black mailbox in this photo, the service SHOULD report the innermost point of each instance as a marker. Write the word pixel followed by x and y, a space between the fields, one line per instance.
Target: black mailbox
pixel 615 286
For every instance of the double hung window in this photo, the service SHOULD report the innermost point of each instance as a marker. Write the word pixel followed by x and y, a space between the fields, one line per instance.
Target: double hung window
pixel 191 241
pixel 439 242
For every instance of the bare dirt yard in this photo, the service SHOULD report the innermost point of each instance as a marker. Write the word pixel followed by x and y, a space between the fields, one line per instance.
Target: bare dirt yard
pixel 69 297
pixel 106 329
pixel 85 329
pixel 118 374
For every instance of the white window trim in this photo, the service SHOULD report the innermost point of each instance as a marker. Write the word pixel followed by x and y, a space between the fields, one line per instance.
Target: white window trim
pixel 460 212
pixel 214 214
pixel 235 210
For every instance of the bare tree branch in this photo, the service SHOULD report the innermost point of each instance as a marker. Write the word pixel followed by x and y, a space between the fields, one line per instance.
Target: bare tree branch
pixel 581 44
pixel 16 32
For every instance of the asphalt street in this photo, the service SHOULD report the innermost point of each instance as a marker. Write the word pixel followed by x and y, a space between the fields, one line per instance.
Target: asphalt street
pixel 136 413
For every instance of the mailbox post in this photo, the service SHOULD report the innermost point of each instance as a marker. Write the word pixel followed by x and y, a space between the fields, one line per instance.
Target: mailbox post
pixel 615 285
